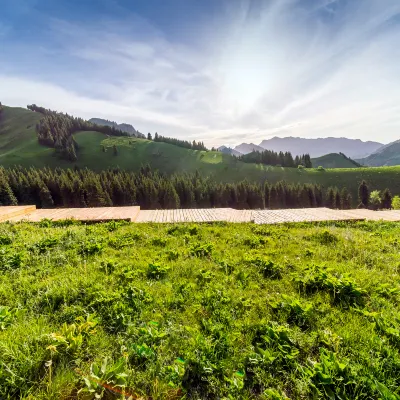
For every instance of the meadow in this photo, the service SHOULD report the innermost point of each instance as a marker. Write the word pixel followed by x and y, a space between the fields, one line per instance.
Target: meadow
pixel 211 311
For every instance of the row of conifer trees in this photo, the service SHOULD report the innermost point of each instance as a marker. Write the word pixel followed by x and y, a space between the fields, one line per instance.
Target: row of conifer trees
pixel 151 190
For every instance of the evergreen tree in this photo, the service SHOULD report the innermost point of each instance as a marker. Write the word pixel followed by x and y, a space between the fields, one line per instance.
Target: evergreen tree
pixel 149 136
pixel 363 194
pixel 338 200
pixel 345 199
pixel 330 200
pixel 45 197
pixel 7 197
pixel 115 150
pixel 274 202
pixel 386 199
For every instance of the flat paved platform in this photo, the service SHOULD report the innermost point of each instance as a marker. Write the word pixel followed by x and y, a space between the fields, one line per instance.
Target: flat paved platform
pixel 134 214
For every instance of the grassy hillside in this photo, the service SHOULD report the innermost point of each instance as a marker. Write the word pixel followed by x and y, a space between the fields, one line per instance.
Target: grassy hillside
pixel 18 145
pixel 334 160
pixel 200 312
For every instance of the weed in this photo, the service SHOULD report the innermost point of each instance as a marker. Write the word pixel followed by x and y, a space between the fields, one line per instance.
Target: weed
pixel 202 250
pixel 91 247
pixel 157 271
pixel 343 289
pixel 105 379
pixel 265 266
pixel 10 260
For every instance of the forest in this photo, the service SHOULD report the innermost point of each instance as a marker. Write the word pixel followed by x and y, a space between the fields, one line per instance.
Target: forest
pixel 149 189
pixel 269 157
pixel 56 129
pixel 177 142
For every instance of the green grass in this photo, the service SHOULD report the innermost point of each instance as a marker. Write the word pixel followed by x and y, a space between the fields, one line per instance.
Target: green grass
pixel 18 146
pixel 333 160
pixel 216 311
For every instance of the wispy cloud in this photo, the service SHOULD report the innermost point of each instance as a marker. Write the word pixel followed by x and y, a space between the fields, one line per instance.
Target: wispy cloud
pixel 287 67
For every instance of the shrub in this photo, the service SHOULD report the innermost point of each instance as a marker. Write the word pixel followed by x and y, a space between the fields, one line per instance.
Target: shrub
pixel 320 168
pixel 396 203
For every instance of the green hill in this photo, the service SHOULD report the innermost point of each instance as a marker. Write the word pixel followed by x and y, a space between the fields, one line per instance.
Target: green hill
pixel 334 160
pixel 19 146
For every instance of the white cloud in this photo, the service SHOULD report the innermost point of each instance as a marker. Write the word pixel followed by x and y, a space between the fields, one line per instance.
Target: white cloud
pixel 328 69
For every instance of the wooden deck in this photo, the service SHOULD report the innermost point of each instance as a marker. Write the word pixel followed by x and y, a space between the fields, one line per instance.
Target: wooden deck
pixel 8 212
pixel 134 214
pixel 80 214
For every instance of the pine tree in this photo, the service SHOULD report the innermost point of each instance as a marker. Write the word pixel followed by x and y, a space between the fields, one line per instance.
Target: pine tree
pixel 363 195
pixel 345 199
pixel 7 197
pixel 274 202
pixel 149 136
pixel 330 200
pixel 338 199
pixel 387 198
pixel 45 197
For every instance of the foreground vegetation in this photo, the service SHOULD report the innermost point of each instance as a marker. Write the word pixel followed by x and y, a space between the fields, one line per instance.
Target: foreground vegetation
pixel 210 311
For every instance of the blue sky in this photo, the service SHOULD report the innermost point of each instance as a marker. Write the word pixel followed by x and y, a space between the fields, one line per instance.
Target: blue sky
pixel 221 71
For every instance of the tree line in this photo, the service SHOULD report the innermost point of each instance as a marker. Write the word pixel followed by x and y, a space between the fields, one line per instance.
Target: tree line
pixel 151 190
pixel 56 130
pixel 177 142
pixel 270 157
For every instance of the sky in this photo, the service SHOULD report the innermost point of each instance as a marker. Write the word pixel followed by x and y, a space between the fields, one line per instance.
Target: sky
pixel 219 71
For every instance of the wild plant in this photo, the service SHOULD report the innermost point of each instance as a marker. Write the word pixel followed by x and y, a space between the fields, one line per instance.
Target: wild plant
pixel 343 290
pixel 8 316
pixel 265 266
pixel 202 250
pixel 105 379
pixel 157 271
pixel 10 260
pixel 91 247
pixel 298 312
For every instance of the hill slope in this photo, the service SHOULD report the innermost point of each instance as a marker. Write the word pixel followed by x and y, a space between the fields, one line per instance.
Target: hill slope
pixel 19 146
pixel 334 160
pixel 386 155
pixel 354 148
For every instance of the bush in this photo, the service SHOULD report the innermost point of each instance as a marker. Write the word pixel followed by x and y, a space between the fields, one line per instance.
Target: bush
pixel 320 168
pixel 396 203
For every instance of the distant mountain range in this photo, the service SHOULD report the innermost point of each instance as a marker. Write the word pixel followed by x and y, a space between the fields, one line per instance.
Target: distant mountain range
pixel 354 148
pixel 229 150
pixel 387 155
pixel 123 127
